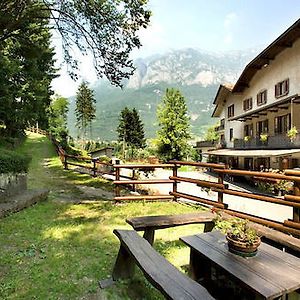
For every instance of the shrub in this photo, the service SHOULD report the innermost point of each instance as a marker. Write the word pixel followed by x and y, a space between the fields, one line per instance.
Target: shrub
pixel 13 162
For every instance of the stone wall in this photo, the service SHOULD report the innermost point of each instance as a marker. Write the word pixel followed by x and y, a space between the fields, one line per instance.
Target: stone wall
pixel 11 185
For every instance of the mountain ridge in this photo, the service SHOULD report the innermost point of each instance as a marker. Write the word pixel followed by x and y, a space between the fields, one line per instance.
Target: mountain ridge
pixel 195 73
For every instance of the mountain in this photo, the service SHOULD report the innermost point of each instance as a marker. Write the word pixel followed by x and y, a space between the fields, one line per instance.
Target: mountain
pixel 197 74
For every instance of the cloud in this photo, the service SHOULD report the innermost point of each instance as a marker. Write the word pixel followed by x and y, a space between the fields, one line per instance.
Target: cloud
pixel 153 40
pixel 230 22
pixel 230 19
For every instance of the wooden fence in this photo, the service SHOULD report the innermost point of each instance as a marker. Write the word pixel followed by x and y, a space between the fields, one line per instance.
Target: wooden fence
pixel 291 226
pixel 93 167
pixel 87 165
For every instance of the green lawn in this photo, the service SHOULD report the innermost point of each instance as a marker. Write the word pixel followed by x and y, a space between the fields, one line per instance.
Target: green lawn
pixel 59 249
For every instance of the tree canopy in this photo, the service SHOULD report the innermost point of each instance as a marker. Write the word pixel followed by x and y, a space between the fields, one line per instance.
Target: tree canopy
pixel 27 69
pixel 106 29
pixel 58 114
pixel 174 126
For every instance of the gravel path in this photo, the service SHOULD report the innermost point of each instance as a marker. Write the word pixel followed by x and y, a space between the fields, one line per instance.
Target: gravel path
pixel 267 210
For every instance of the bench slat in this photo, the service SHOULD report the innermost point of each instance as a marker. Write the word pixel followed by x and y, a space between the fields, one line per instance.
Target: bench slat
pixel 161 273
pixel 165 221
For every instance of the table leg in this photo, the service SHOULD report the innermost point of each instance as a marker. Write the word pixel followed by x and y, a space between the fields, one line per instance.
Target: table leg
pixel 200 268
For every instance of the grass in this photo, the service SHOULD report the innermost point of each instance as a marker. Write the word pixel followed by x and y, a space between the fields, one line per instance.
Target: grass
pixel 59 249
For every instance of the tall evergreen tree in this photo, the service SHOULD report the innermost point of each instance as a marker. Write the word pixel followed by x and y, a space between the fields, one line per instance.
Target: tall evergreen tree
pixel 138 133
pixel 131 129
pixel 174 125
pixel 85 110
pixel 26 73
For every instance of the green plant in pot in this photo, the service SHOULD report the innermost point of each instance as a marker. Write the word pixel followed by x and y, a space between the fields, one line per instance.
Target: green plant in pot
pixel 242 239
pixel 247 138
pixel 292 133
pixel 263 137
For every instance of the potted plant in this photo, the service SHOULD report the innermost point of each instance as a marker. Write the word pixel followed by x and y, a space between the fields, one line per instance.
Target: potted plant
pixel 292 133
pixel 247 138
pixel 242 239
pixel 263 137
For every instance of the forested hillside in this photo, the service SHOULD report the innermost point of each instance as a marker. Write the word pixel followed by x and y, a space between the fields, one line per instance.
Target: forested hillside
pixel 197 74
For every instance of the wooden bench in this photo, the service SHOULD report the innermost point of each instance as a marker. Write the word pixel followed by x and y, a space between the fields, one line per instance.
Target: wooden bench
pixel 172 283
pixel 149 224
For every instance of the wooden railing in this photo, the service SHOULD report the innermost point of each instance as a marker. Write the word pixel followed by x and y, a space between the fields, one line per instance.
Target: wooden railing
pixel 37 130
pixel 85 164
pixel 134 181
pixel 291 226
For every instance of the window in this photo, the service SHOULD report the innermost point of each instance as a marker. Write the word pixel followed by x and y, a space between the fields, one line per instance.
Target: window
pixel 247 104
pixel 248 163
pixel 282 88
pixel 231 111
pixel 262 127
pixel 248 130
pixel 231 134
pixel 222 124
pixel 262 98
pixel 282 124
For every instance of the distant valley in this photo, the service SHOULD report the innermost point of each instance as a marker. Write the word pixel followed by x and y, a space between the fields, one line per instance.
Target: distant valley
pixel 195 73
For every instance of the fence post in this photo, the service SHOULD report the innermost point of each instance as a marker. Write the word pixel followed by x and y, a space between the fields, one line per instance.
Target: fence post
pixel 296 210
pixel 117 187
pixel 220 180
pixel 175 181
pixel 133 178
pixel 65 160
pixel 94 167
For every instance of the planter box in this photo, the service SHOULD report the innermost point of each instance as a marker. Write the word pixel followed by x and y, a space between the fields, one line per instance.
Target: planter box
pixel 11 185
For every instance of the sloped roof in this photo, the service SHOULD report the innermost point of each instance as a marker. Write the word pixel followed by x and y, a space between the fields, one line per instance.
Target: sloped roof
pixel 223 91
pixel 284 41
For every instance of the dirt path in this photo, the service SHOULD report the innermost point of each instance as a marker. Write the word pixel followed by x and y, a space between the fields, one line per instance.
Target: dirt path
pixel 46 172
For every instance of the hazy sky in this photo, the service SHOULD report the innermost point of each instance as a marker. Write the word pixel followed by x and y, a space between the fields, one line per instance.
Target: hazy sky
pixel 212 25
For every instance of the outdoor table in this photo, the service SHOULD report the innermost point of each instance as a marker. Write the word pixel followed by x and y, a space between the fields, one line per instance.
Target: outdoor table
pixel 270 274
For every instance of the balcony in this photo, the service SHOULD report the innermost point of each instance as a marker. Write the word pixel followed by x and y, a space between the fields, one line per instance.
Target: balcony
pixel 211 144
pixel 221 127
pixel 205 144
pixel 280 141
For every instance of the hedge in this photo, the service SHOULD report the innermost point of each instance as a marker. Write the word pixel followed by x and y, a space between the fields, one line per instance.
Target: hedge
pixel 13 162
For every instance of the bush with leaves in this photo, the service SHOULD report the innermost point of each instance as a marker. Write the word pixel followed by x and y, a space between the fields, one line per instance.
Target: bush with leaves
pixel 13 162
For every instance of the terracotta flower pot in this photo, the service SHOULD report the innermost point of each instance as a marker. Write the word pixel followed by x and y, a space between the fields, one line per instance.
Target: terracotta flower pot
pixel 242 248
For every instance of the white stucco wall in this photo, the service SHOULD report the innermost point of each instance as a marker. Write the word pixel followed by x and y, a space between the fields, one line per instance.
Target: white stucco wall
pixel 285 65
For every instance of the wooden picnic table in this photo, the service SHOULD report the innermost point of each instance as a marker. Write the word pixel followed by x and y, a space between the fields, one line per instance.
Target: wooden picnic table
pixel 270 274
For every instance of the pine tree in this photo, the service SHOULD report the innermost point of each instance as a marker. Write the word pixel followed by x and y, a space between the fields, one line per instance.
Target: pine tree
pixel 26 72
pixel 138 133
pixel 174 125
pixel 85 110
pixel 131 129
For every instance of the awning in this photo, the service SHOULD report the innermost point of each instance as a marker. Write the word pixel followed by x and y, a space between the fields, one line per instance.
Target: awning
pixel 253 153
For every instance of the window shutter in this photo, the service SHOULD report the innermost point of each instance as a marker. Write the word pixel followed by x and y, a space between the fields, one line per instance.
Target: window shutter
pixel 287 86
pixel 276 90
pixel 276 125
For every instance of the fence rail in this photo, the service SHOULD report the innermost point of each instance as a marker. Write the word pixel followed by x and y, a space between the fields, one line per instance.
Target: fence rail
pixel 291 226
